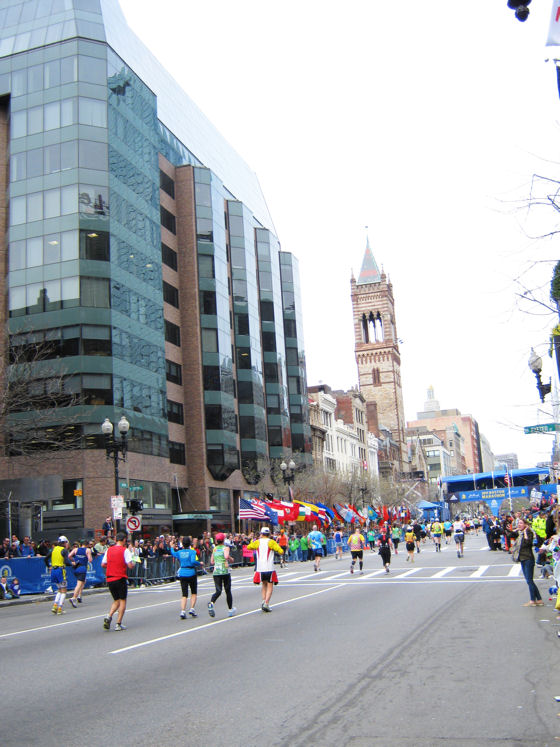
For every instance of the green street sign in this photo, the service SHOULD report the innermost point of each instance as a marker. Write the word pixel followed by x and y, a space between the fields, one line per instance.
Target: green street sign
pixel 136 487
pixel 544 428
pixel 124 485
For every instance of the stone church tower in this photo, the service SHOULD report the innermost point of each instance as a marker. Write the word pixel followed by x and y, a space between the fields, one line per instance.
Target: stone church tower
pixel 377 353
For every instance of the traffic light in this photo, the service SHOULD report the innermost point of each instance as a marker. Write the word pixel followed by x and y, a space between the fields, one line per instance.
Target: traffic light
pixel 135 506
pixel 520 8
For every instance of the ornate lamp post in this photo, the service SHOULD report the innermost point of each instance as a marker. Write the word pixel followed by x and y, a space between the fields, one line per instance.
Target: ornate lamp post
pixel 113 446
pixel 288 472
pixel 535 364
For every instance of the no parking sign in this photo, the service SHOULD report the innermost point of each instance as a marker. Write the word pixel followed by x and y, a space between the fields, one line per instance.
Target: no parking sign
pixel 133 523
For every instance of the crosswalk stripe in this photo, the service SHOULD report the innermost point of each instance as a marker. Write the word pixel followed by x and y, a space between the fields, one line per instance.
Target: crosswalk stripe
pixel 515 570
pixel 374 573
pixel 479 571
pixel 444 572
pixel 408 573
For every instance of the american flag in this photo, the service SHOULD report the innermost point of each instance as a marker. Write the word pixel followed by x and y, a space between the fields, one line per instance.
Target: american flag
pixel 507 479
pixel 253 509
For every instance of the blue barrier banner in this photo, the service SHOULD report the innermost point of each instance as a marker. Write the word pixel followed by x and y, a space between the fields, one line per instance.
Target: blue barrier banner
pixel 35 578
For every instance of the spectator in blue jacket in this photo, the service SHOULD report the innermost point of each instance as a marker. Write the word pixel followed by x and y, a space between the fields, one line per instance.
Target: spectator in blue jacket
pixel 186 574
pixel 26 549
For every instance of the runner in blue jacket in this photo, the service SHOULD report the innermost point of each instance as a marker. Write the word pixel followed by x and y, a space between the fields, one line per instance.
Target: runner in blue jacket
pixel 187 574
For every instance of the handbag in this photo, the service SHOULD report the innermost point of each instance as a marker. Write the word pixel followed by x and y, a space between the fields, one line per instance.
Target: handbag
pixel 516 549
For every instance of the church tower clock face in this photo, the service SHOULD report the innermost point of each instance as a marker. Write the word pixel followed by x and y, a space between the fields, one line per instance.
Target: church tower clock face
pixel 377 350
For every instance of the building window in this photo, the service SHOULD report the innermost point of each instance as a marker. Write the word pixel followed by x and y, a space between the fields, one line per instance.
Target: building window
pixel 94 245
pixel 176 453
pixel 167 220
pixel 173 372
pixel 175 412
pixel 376 377
pixel 170 295
pixel 172 333
pixel 167 184
pixel 169 256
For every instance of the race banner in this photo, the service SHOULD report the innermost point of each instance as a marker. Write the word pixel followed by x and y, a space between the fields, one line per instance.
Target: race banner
pixel 554 26
pixel 35 578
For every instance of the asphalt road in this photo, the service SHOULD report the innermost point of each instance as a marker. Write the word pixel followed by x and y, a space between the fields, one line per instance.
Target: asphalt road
pixel 441 651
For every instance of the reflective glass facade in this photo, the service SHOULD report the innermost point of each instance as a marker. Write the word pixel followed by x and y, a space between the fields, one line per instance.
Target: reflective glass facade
pixel 98 243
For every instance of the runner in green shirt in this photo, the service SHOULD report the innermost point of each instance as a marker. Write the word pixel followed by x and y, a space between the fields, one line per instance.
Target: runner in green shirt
pixel 222 577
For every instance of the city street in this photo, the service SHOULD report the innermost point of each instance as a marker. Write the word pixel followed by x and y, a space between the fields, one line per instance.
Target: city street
pixel 441 650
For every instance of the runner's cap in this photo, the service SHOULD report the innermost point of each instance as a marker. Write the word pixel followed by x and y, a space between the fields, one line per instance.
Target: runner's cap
pixel 265 530
pixel 62 538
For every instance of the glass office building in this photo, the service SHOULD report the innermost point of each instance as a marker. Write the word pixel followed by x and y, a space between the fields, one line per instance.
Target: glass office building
pixel 142 276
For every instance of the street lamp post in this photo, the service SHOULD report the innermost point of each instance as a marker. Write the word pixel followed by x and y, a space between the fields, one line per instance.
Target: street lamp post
pixel 535 364
pixel 113 446
pixel 288 472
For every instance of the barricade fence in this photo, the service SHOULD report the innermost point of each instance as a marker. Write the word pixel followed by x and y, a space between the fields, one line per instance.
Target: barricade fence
pixel 35 577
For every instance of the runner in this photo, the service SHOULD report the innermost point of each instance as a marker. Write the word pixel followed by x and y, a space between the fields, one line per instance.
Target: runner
pixel 283 542
pixel 265 573
pixel 459 536
pixel 417 529
pixel 315 538
pixel 116 561
pixel 338 544
pixel 396 537
pixel 187 575
pixel 81 557
pixel 357 545
pixel 59 560
pixel 447 528
pixel 437 531
pixel 410 543
pixel 385 545
pixel 371 538
pixel 222 576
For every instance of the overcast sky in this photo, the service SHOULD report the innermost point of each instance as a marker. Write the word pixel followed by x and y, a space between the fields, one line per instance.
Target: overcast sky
pixel 424 122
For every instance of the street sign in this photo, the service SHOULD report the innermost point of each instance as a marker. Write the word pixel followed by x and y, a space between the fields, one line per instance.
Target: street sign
pixel 136 487
pixel 117 501
pixel 133 523
pixel 117 513
pixel 544 428
pixel 124 485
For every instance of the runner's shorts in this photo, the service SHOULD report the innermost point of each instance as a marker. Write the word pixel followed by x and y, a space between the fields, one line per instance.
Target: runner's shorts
pixel 318 552
pixel 58 576
pixel 269 576
pixel 410 546
pixel 459 537
pixel 118 588
pixel 188 582
pixel 357 554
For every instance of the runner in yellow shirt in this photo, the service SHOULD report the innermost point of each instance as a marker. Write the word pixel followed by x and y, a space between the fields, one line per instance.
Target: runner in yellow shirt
pixel 410 540
pixel 357 545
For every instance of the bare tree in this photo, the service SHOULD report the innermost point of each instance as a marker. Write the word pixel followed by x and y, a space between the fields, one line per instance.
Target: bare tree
pixel 37 399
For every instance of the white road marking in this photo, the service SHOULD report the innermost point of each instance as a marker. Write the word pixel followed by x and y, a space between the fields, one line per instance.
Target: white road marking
pixel 374 573
pixel 199 628
pixel 444 572
pixel 311 575
pixel 515 570
pixel 408 573
pixel 479 571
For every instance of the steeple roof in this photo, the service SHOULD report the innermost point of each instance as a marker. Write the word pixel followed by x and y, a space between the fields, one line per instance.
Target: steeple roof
pixel 369 272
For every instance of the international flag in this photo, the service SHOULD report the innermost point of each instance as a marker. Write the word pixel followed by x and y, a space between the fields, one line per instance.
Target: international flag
pixel 253 509
pixel 507 479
